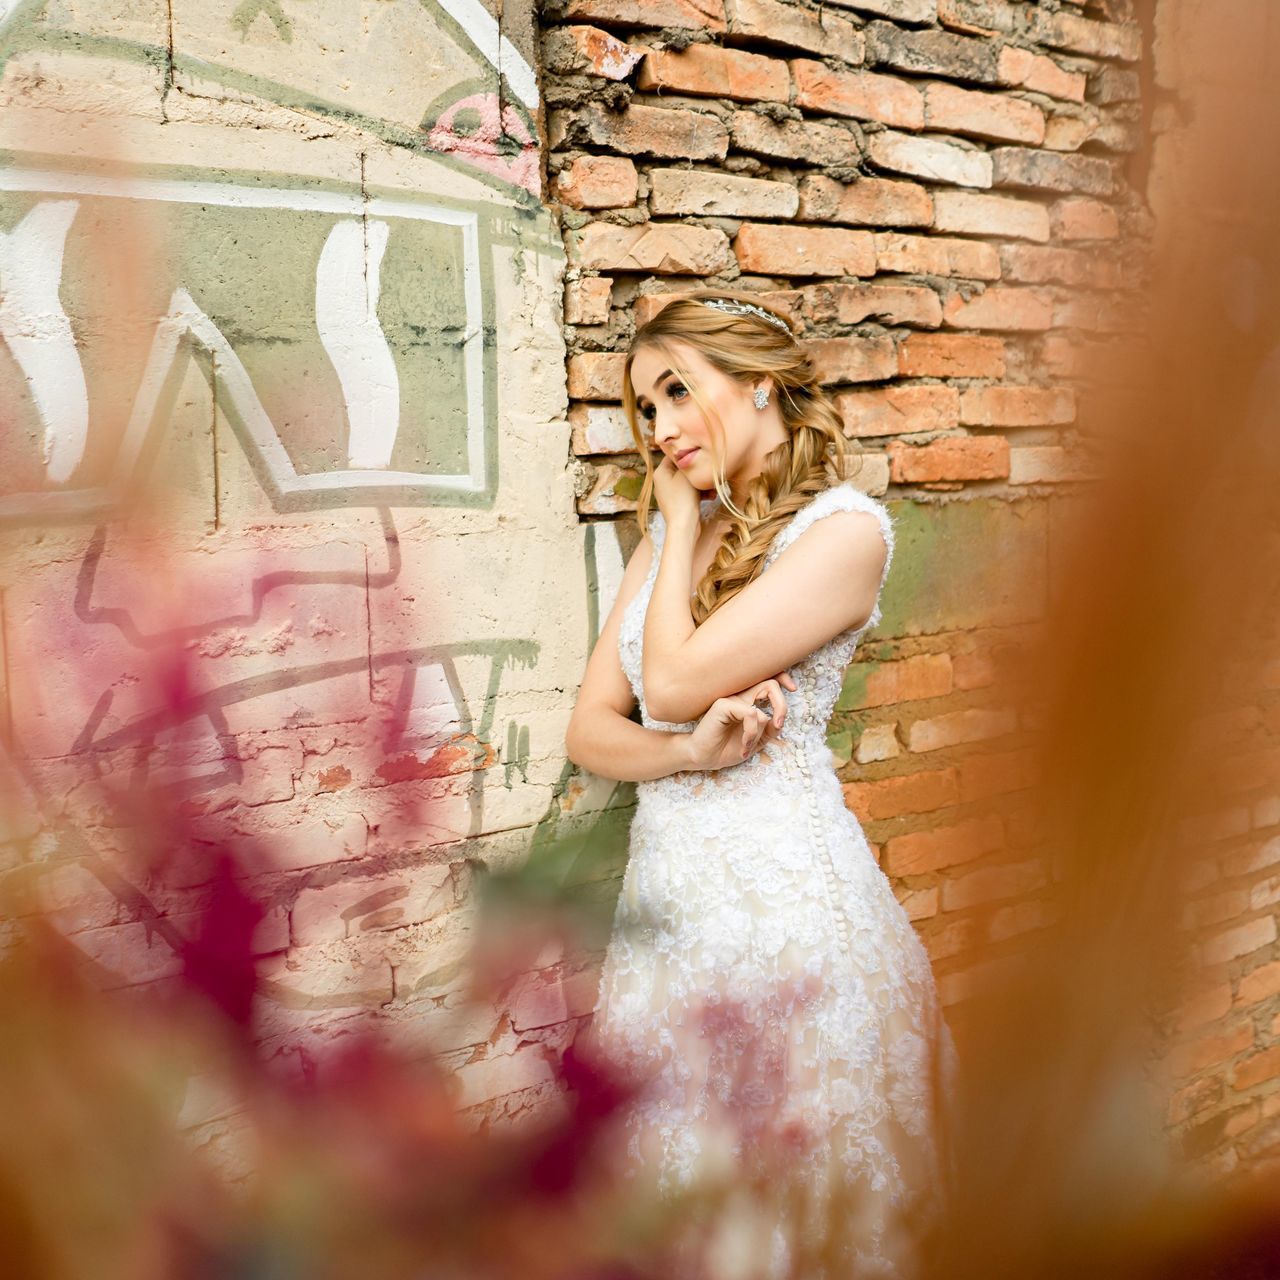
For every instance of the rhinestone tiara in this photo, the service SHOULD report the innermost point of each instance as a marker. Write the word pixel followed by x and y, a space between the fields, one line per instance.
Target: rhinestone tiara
pixel 732 307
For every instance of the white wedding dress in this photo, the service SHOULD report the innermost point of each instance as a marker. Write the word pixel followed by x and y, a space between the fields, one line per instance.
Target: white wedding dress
pixel 769 989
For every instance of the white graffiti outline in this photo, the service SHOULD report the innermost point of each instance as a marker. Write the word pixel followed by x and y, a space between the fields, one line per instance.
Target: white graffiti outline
pixel 184 316
pixel 483 31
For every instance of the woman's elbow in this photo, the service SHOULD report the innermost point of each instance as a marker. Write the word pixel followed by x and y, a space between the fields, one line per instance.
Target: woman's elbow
pixel 673 705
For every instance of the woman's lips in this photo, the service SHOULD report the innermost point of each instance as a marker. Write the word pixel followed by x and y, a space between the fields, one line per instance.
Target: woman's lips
pixel 683 459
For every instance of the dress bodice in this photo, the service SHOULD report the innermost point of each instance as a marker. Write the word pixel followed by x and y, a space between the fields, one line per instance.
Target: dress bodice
pixel 819 674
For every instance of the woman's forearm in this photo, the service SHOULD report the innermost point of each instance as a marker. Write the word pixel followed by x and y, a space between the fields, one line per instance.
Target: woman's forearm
pixel 612 746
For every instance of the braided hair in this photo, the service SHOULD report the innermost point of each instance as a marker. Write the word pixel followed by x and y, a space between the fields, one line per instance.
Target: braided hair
pixel 812 457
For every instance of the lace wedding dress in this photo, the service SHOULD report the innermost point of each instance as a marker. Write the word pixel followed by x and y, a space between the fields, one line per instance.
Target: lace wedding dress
pixel 769 989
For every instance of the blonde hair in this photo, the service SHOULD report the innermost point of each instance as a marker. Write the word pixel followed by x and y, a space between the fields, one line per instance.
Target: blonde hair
pixel 811 458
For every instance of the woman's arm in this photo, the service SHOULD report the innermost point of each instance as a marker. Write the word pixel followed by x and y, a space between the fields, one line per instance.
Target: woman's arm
pixel 601 737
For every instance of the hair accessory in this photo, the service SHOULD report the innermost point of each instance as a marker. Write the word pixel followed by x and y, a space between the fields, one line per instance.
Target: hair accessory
pixel 761 398
pixel 732 307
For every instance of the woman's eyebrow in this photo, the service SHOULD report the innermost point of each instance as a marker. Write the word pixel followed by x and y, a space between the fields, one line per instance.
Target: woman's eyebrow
pixel 643 399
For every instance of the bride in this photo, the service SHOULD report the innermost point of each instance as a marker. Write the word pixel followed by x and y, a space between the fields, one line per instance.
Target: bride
pixel 761 979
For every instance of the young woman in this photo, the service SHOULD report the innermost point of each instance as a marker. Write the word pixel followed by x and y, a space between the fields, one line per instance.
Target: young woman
pixel 761 976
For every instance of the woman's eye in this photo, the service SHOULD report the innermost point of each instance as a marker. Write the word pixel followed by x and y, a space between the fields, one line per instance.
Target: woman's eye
pixel 677 391
pixel 647 413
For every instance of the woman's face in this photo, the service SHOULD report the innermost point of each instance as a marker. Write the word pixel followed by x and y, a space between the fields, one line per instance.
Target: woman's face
pixel 673 421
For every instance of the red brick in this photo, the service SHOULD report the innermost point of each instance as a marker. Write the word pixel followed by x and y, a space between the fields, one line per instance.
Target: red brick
pixel 569 51
pixel 950 938
pixel 861 95
pixel 905 304
pixel 982 115
pixel 930 157
pixel 1040 264
pixel 689 15
pixel 928 675
pixel 697 191
pixel 815 30
pixel 596 375
pixel 1048 464
pixel 950 458
pixel 587 301
pixel 972 724
pixel 1022 69
pixel 597 182
pixel 1210 1051
pixel 973 670
pixel 1083 219
pixel 1001 308
pixel 899 410
pixel 872 202
pixel 1017 406
pixel 807 140
pixel 1257 1068
pixel 985 215
pixel 1069 131
pixel 668 132
pixel 925 851
pixel 1062 30
pixel 718 73
pixel 893 797
pixel 1259 985
pixel 900 10
pixel 854 359
pixel 979 17
pixel 994 774
pixel 993 883
pixel 665 248
pixel 805 251
pixel 950 355
pixel 1238 941
pixel 1049 171
pixel 936 256
pixel 1205 1006
pixel 1021 917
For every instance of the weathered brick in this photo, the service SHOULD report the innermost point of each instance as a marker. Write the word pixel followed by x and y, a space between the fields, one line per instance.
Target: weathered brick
pixel 919 904
pixel 1238 941
pixel 348 907
pixel 1000 307
pixel 934 52
pixel 1017 406
pixel 1205 1006
pixel 689 15
pixel 982 115
pixel 668 132
pixel 899 410
pixel 1037 264
pixel 807 140
pixel 586 301
pixel 1048 464
pixel 936 256
pixel 986 215
pixel 873 202
pixel 569 51
pixel 597 429
pixel 804 251
pixel 948 458
pixel 1062 30
pixel 905 304
pixel 613 489
pixel 661 247
pixel 994 774
pixel 596 375
pixel 926 675
pixel 1256 1069
pixel 1069 131
pixel 711 71
pixel 1109 85
pixel 923 851
pixel 894 797
pixel 993 883
pixel 859 94
pixel 929 158
pixel 950 355
pixel 1078 218
pixel 900 10
pixel 1050 171
pixel 877 742
pixel 1259 984
pixel 854 359
pixel 972 724
pixel 815 30
pixel 1021 917
pixel 699 191
pixel 1022 69
pixel 980 17
pixel 973 670
pixel 597 182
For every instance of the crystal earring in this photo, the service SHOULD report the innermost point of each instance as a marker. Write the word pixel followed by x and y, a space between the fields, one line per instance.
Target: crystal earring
pixel 761 398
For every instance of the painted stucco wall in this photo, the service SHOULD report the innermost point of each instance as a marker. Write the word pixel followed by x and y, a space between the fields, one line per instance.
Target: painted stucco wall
pixel 284 394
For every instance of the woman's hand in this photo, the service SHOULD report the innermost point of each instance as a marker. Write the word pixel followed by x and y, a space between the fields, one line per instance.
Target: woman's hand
pixel 677 498
pixel 733 727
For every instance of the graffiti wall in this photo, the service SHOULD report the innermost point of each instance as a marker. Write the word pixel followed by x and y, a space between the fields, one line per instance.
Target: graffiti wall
pixel 289 534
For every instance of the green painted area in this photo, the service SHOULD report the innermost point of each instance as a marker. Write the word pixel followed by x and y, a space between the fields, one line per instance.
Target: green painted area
pixel 841 743
pixel 854 688
pixel 247 12
pixel 628 486
pixel 963 564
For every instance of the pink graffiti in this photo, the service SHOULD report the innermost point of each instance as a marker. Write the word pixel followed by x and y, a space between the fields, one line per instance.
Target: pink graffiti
pixel 483 147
